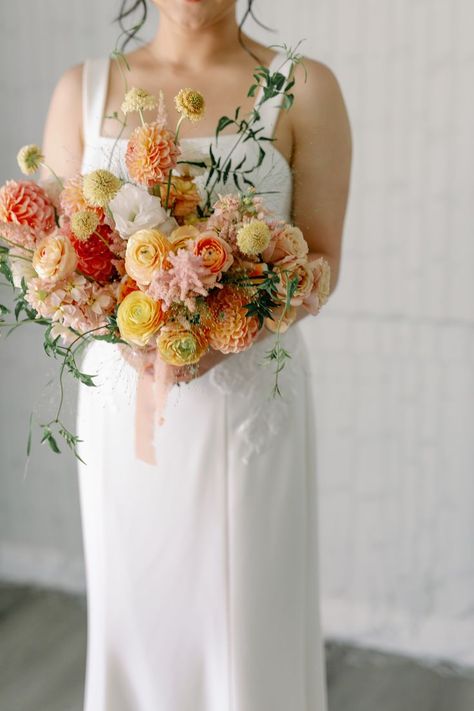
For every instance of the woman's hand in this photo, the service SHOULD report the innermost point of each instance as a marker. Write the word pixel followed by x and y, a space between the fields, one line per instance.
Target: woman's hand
pixel 184 374
pixel 144 361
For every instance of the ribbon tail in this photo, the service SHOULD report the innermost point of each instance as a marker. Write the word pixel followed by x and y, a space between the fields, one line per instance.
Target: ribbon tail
pixel 153 386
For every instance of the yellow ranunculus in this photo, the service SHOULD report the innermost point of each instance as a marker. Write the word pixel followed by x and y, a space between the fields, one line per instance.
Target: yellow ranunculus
pixel 139 317
pixel 146 253
pixel 179 346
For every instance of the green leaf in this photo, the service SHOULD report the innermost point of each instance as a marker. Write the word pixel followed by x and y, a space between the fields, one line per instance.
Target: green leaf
pixel 226 172
pixel 6 271
pixel 49 438
pixel 223 122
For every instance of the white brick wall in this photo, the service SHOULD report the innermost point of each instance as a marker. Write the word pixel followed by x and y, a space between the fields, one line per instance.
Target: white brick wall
pixel 393 351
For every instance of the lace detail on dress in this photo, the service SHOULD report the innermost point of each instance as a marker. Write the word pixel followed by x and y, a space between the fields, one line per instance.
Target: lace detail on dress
pixel 248 375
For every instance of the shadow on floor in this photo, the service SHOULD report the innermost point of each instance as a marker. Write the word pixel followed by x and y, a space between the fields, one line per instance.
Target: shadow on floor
pixel 42 661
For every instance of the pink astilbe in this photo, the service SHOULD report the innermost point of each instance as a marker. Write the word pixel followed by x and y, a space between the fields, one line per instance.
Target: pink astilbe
pixel 183 281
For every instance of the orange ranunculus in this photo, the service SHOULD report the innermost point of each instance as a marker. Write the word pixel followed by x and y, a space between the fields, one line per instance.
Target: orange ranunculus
pixel 215 252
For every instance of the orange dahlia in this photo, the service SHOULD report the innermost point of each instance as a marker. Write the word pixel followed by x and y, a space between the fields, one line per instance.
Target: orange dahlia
pixel 230 329
pixel 151 154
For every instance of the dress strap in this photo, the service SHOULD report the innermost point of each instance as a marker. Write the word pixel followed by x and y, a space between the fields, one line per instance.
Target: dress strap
pixel 95 79
pixel 270 109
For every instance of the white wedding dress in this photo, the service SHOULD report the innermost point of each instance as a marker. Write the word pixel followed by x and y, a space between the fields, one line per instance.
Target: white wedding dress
pixel 202 571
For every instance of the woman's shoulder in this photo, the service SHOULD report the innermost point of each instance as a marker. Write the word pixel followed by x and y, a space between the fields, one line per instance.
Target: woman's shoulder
pixel 70 82
pixel 314 77
pixel 317 91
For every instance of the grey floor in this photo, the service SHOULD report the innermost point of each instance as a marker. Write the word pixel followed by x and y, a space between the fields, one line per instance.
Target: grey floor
pixel 42 656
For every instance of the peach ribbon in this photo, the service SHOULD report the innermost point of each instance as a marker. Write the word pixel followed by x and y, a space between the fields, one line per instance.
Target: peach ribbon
pixel 153 386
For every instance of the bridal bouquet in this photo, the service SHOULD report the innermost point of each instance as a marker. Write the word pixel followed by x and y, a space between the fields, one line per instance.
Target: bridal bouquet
pixel 149 260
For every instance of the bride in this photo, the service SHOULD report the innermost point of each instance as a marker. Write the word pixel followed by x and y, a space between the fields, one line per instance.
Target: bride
pixel 202 570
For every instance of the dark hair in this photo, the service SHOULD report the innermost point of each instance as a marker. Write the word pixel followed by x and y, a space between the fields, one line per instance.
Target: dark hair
pixel 139 9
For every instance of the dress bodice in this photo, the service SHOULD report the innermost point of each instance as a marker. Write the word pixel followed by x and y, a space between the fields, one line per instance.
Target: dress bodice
pixel 272 178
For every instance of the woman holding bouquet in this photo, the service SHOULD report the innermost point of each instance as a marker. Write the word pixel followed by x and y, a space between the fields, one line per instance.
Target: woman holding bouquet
pixel 202 569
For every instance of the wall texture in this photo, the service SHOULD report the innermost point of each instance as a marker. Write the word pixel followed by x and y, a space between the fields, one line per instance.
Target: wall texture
pixel 392 352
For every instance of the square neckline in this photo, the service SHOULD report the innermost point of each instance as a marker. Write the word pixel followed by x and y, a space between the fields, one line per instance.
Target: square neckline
pixel 206 139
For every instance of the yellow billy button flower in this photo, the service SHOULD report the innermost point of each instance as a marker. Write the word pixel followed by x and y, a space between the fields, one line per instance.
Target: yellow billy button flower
pixel 84 223
pixel 139 317
pixel 100 186
pixel 138 100
pixel 178 345
pixel 190 103
pixel 29 159
pixel 254 237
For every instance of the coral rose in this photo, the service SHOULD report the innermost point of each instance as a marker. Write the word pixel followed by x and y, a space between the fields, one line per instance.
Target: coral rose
pixel 287 242
pixel 319 293
pixel 54 257
pixel 151 154
pixel 299 269
pixel 215 252
pixel 230 329
pixel 25 205
pixel 139 317
pixel 96 259
pixel 179 346
pixel 146 253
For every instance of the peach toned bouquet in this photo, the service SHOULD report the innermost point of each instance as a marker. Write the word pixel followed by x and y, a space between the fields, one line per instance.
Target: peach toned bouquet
pixel 150 261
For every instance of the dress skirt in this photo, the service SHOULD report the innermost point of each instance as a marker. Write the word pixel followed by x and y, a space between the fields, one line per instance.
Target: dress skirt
pixel 202 570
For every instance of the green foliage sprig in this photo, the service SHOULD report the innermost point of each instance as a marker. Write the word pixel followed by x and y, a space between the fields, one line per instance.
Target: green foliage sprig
pixel 271 84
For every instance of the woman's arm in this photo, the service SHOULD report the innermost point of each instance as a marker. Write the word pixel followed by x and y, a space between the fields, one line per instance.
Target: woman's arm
pixel 321 162
pixel 62 140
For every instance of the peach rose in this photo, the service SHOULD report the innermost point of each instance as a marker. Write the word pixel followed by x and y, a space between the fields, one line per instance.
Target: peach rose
pixel 299 269
pixel 146 253
pixel 215 253
pixel 54 257
pixel 319 293
pixel 288 242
